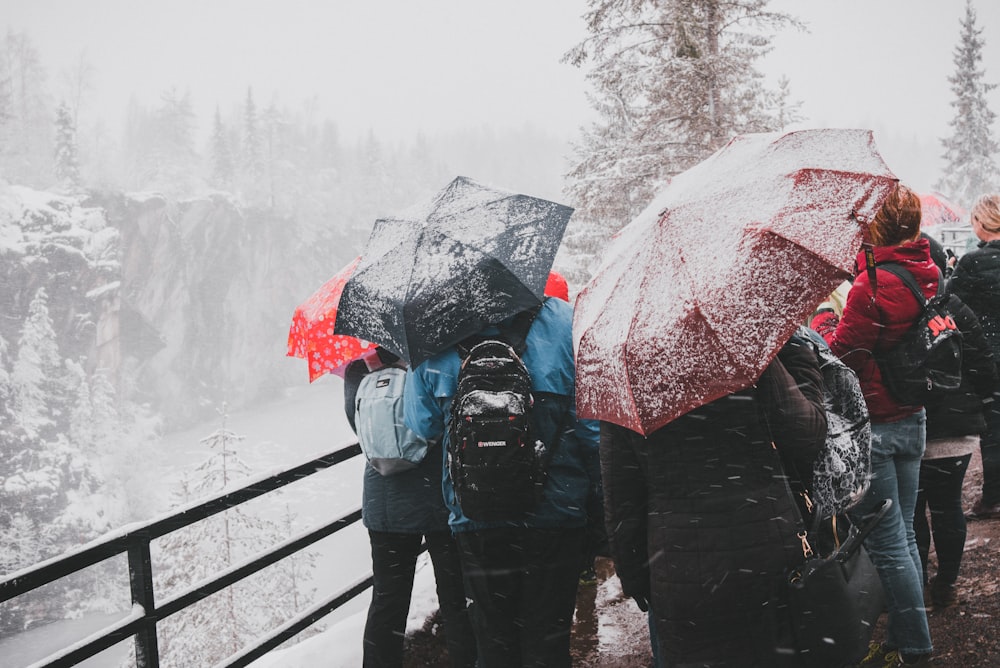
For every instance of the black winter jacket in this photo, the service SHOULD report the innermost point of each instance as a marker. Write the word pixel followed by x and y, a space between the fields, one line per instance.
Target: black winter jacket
pixel 699 519
pixel 976 281
pixel 961 413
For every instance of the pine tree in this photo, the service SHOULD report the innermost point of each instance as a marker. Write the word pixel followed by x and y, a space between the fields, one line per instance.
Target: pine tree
pixel 67 163
pixel 970 169
pixel 252 166
pixel 36 368
pixel 223 169
pixel 221 624
pixel 25 113
pixel 673 81
pixel 172 156
pixel 274 123
pixel 6 388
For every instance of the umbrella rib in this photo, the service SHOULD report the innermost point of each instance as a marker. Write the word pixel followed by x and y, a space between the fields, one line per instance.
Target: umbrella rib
pixel 806 251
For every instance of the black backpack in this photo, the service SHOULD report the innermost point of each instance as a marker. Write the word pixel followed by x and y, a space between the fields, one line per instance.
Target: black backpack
pixel 927 362
pixel 496 464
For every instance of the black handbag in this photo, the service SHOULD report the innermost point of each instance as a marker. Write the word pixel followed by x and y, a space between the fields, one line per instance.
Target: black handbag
pixel 834 601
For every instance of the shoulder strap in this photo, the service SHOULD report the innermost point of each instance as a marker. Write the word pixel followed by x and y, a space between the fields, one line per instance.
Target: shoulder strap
pixel 907 277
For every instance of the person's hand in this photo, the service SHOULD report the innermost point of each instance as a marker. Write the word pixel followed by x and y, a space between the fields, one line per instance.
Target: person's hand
pixel 824 321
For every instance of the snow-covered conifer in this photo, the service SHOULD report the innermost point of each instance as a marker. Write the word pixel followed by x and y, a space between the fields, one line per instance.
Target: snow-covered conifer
pixel 223 623
pixel 35 366
pixel 970 150
pixel 67 163
pixel 252 140
pixel 673 80
pixel 223 169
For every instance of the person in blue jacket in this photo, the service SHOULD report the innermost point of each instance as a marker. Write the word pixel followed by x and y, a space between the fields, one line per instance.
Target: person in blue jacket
pixel 521 575
pixel 401 511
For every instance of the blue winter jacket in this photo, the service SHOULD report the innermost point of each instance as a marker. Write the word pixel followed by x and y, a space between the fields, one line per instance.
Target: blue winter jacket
pixel 549 359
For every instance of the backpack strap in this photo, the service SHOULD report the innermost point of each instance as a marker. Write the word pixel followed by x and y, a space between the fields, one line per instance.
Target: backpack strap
pixel 909 281
pixel 870 268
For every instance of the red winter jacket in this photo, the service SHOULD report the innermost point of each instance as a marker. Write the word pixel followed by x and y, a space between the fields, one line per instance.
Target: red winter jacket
pixel 867 327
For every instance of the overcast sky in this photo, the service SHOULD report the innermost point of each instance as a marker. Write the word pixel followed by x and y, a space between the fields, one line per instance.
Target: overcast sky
pixel 398 66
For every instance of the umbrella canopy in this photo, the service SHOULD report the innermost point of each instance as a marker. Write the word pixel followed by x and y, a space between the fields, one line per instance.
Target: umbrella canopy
pixel 697 294
pixel 311 336
pixel 936 209
pixel 470 258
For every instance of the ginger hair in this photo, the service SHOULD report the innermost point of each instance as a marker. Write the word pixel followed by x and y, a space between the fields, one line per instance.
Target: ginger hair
pixel 898 221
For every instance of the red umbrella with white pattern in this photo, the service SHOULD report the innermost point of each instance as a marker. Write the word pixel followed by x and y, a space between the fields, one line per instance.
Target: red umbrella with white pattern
pixel 311 335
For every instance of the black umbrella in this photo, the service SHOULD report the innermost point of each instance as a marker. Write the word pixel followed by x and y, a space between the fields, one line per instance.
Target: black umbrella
pixel 474 256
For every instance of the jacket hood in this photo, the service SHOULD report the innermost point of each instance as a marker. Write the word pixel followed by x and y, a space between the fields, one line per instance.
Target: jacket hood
pixel 911 253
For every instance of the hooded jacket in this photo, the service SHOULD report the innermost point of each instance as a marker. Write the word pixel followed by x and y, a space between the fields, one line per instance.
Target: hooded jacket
pixel 549 358
pixel 871 327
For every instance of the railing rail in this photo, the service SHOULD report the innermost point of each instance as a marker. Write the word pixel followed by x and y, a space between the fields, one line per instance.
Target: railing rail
pixel 134 541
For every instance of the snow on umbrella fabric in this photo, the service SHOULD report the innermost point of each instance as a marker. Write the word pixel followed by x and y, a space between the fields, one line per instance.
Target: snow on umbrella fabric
pixel 936 209
pixel 470 258
pixel 696 295
pixel 311 336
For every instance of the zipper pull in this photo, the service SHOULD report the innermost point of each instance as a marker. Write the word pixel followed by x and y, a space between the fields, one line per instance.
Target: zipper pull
pixel 807 550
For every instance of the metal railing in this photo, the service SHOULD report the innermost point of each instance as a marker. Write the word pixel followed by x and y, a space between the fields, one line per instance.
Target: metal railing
pixel 134 541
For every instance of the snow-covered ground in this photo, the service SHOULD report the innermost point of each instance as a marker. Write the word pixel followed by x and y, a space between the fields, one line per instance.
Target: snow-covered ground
pixel 307 422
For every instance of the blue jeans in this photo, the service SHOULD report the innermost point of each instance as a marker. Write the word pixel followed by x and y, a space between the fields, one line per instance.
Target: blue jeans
pixel 896 451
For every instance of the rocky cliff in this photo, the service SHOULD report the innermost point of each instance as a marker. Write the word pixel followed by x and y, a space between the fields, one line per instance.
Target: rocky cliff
pixel 186 303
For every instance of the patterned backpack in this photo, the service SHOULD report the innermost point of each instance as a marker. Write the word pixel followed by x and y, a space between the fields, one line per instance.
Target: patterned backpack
pixel 842 471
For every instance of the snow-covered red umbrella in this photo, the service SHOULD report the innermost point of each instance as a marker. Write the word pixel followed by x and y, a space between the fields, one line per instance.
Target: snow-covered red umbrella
pixel 311 336
pixel 697 294
pixel 936 209
pixel 471 257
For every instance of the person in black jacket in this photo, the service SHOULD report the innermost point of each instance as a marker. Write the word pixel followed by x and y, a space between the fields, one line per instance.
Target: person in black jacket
pixel 400 511
pixel 953 427
pixel 699 520
pixel 976 281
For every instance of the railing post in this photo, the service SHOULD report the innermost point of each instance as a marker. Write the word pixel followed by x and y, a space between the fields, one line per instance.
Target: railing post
pixel 140 571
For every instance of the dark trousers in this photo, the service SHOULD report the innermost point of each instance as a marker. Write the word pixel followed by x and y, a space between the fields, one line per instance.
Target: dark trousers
pixel 522 583
pixel 940 491
pixel 989 447
pixel 394 559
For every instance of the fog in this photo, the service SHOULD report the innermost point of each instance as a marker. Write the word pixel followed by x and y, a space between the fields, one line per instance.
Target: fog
pixel 160 299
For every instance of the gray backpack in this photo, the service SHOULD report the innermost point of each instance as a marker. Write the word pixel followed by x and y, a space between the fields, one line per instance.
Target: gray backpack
pixel 388 444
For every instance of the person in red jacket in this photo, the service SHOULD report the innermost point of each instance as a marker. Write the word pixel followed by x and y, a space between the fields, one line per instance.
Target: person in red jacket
pixel 874 319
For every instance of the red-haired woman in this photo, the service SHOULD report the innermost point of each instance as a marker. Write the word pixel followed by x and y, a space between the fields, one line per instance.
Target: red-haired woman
pixel 874 320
